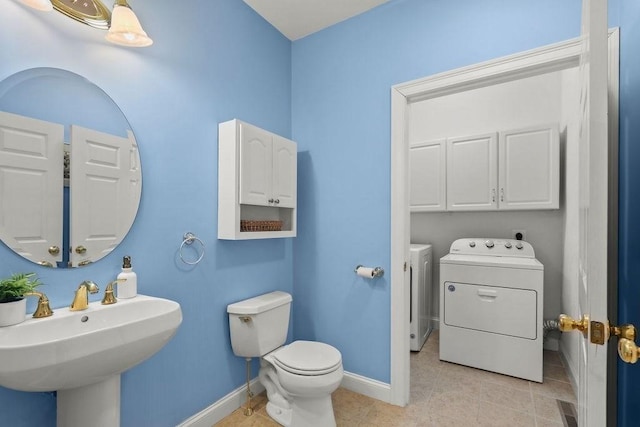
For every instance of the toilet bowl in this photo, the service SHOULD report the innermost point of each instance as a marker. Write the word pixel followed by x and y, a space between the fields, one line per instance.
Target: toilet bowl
pixel 303 375
pixel 299 377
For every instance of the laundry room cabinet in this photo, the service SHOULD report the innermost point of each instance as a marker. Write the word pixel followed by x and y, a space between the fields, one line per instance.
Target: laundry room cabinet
pixel 472 173
pixel 516 169
pixel 529 168
pixel 428 179
pixel 257 183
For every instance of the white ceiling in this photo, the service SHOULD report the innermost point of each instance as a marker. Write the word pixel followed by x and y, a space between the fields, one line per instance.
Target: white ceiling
pixel 299 18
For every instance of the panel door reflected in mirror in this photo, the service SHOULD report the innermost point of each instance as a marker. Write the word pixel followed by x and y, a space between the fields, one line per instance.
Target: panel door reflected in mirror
pixel 44 217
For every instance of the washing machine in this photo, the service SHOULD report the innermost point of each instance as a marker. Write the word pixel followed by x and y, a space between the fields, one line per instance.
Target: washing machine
pixel 420 290
pixel 491 301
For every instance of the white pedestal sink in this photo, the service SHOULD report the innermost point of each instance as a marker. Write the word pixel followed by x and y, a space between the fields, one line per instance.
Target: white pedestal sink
pixel 81 354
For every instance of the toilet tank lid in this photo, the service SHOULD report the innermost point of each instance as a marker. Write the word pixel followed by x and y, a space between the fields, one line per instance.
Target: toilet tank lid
pixel 260 304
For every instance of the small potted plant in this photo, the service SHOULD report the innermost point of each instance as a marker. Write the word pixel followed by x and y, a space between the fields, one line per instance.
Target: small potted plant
pixel 13 305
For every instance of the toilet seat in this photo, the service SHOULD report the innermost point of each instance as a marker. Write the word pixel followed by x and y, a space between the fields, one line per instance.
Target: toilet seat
pixel 307 358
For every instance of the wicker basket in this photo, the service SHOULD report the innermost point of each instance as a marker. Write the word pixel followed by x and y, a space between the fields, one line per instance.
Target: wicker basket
pixel 251 225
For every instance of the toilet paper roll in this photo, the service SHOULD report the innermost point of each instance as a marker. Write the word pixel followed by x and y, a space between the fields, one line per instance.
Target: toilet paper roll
pixel 365 272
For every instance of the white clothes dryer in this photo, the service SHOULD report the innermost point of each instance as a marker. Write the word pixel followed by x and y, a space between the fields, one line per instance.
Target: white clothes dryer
pixel 491 301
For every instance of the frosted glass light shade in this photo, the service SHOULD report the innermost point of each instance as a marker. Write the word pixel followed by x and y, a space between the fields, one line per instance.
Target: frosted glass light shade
pixel 125 28
pixel 44 5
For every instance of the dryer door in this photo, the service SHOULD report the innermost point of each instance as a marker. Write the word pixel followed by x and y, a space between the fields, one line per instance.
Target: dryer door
pixel 492 309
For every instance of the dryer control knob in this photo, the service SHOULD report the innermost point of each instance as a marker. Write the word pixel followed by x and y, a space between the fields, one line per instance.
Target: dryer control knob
pixel 472 244
pixel 519 245
pixel 507 245
pixel 489 243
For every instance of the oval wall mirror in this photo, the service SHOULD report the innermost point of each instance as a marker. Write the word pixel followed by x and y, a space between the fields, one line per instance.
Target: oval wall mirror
pixel 70 176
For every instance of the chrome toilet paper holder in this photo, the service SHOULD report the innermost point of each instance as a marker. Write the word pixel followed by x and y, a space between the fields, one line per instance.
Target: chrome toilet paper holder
pixel 376 272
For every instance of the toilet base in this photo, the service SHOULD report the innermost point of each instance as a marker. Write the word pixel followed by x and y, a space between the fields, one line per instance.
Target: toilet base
pixel 280 415
pixel 312 412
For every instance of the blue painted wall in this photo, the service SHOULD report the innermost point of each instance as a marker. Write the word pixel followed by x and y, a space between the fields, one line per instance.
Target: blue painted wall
pixel 341 119
pixel 211 61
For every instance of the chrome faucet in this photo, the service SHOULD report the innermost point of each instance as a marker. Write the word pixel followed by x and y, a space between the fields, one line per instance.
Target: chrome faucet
pixel 81 298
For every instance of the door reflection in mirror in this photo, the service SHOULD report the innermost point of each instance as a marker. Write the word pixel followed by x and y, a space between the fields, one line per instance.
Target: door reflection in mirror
pixel 43 113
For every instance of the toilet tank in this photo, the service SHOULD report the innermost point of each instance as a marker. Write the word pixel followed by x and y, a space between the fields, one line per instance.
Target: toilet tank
pixel 259 325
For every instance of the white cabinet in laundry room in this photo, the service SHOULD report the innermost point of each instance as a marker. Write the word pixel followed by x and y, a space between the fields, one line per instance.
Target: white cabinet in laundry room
pixel 257 183
pixel 508 170
pixel 472 174
pixel 427 176
pixel 529 168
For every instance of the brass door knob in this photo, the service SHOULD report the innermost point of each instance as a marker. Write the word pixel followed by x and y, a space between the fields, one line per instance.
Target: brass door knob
pixel 80 250
pixel 45 263
pixel 625 331
pixel 628 350
pixel 568 324
pixel 54 250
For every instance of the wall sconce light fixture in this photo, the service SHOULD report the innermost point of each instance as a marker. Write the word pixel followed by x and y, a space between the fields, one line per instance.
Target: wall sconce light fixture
pixel 122 24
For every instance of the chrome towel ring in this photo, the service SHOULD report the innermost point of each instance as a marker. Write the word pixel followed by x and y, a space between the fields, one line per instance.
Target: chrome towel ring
pixel 188 240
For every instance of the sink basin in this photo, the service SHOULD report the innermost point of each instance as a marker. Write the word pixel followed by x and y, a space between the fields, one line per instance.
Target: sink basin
pixel 75 349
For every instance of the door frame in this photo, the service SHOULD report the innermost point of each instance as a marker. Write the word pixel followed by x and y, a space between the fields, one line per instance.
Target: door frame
pixel 546 59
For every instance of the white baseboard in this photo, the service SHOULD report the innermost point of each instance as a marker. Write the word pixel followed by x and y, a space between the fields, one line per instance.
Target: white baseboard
pixel 232 401
pixel 223 407
pixel 570 369
pixel 367 386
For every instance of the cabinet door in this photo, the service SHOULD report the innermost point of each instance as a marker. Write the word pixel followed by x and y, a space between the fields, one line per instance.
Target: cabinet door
pixel 427 176
pixel 284 184
pixel 255 165
pixel 529 168
pixel 472 174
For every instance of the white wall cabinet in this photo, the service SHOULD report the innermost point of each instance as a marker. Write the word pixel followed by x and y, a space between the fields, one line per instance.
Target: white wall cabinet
pixel 428 180
pixel 529 174
pixel 517 169
pixel 257 183
pixel 472 175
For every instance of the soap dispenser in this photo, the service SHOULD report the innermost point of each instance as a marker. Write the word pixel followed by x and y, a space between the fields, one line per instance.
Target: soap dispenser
pixel 127 288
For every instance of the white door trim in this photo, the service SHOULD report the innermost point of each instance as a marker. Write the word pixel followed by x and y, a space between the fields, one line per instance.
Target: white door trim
pixel 525 64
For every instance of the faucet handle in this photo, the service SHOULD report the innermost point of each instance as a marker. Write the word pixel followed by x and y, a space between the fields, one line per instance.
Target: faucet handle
pixel 109 298
pixel 43 309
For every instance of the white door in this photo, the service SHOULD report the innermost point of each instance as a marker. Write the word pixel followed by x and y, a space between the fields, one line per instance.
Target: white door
pixel 529 168
pixel 593 209
pixel 31 169
pixel 472 174
pixel 256 157
pixel 105 186
pixel 428 176
pixel 284 182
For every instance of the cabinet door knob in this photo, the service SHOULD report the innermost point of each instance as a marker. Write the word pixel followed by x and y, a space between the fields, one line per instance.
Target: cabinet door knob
pixel 270 200
pixel 276 201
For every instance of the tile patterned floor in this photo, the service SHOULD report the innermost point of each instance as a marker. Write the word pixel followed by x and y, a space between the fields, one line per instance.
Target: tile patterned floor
pixel 448 395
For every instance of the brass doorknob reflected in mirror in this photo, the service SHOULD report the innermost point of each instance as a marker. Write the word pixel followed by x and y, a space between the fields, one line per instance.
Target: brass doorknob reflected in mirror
pixel 54 250
pixel 568 324
pixel 80 250
pixel 628 350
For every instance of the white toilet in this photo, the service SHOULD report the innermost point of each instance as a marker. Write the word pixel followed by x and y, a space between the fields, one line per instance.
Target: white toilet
pixel 299 377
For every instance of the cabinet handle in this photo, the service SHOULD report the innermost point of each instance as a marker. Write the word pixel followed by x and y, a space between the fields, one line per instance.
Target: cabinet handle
pixel 277 201
pixel 270 200
pixel 493 195
pixel 502 194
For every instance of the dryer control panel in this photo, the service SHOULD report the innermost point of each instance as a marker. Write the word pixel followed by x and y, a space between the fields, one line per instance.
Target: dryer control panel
pixel 492 247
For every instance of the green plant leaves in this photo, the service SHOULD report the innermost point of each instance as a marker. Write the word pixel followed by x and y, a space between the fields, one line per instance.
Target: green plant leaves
pixel 13 288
